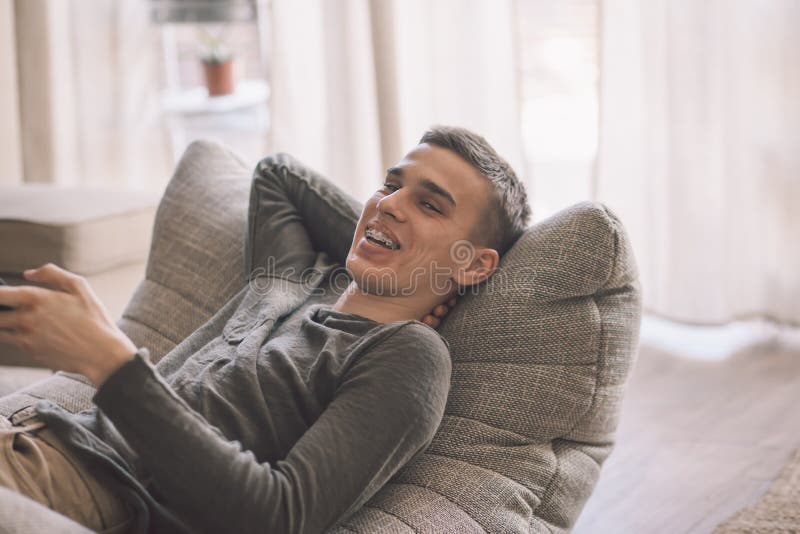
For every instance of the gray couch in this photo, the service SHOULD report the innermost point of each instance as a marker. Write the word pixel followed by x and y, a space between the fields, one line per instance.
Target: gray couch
pixel 541 355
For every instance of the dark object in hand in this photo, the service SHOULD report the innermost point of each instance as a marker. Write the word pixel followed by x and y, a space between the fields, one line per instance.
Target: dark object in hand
pixel 3 307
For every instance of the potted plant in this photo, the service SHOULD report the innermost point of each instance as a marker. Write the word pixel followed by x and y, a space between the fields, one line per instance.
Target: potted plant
pixel 218 61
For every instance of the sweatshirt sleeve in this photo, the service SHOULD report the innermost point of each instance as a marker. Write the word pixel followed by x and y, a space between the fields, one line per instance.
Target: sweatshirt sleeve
pixel 386 410
pixel 294 213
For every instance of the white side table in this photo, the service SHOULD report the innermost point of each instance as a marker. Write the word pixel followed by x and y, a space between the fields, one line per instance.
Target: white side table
pixel 240 119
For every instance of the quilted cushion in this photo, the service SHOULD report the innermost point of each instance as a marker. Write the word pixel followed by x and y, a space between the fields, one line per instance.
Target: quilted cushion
pixel 540 358
pixel 541 353
pixel 196 261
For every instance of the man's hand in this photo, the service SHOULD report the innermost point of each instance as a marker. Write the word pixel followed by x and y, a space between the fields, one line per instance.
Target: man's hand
pixel 434 318
pixel 65 328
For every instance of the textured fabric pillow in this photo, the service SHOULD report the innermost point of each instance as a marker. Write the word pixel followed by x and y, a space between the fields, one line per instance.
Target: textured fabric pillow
pixel 540 354
pixel 196 261
pixel 540 359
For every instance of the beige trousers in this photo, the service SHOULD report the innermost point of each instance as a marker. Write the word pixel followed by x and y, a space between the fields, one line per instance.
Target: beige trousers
pixel 34 463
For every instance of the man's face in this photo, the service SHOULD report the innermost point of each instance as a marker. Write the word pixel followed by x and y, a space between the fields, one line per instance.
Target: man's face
pixel 429 205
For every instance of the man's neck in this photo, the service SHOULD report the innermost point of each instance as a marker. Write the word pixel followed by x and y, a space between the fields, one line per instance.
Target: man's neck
pixel 384 309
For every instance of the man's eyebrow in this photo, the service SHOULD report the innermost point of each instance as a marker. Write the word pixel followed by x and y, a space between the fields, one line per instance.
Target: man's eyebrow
pixel 427 184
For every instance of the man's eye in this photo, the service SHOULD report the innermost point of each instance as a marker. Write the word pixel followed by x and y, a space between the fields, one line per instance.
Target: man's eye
pixel 430 206
pixel 387 185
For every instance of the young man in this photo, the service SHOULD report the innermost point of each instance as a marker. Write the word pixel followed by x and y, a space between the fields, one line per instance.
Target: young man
pixel 288 427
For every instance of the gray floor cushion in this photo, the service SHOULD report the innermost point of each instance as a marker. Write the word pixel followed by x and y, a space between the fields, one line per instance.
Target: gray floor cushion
pixel 541 353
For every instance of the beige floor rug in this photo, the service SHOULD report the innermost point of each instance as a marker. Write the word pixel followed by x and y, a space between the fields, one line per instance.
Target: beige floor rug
pixel 778 511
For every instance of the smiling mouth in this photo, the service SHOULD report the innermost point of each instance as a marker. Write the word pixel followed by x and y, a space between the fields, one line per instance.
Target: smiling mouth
pixel 380 239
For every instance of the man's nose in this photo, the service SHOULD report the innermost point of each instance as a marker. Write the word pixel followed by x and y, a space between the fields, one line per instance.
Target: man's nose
pixel 391 205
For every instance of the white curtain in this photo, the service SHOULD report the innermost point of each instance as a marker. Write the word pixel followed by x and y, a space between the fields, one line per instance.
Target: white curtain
pixel 700 152
pixel 10 142
pixel 355 83
pixel 79 93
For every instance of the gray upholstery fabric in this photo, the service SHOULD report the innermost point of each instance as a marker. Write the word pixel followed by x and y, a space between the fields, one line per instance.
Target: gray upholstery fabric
pixel 541 354
pixel 196 262
pixel 21 515
pixel 540 359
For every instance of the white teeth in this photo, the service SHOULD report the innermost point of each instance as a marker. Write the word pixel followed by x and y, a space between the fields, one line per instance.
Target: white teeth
pixel 380 236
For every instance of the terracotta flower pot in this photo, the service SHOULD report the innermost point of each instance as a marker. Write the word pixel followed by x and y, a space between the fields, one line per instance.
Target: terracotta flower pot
pixel 219 77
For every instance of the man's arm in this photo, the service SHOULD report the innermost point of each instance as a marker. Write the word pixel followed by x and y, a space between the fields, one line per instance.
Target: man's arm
pixel 386 409
pixel 295 212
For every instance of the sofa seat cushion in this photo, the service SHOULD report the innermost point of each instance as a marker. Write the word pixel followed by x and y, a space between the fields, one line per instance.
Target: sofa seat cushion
pixel 83 229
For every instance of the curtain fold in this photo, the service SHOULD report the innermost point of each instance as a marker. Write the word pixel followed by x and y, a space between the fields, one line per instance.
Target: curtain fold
pixel 88 78
pixel 700 153
pixel 323 99
pixel 10 134
pixel 355 83
pixel 46 91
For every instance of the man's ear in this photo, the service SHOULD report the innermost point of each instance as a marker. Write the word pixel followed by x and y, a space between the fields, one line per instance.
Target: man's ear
pixel 482 266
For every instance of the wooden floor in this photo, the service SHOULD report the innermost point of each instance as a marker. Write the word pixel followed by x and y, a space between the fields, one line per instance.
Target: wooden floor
pixel 697 441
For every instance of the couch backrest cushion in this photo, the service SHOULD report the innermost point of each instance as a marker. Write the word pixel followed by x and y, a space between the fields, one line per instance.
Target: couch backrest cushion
pixel 196 260
pixel 540 358
pixel 541 353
